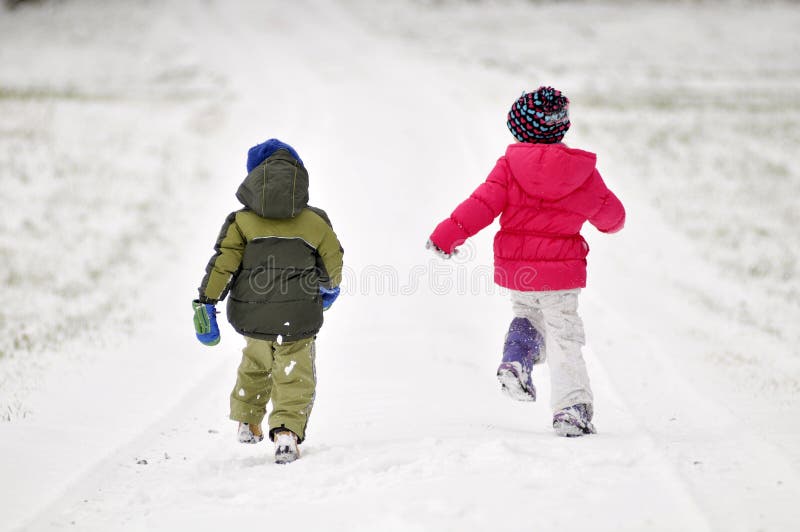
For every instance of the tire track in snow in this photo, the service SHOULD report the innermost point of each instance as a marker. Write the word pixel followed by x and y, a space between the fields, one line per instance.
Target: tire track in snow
pixel 724 465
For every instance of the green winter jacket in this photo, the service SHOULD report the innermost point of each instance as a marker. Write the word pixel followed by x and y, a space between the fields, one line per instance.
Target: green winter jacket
pixel 272 256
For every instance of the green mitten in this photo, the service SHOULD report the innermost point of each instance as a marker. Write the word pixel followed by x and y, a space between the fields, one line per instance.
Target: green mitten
pixel 205 323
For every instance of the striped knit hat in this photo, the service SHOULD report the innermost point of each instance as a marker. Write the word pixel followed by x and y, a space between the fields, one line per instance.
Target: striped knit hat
pixel 539 116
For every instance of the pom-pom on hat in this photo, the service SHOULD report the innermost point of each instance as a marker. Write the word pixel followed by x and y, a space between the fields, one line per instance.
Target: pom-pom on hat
pixel 540 116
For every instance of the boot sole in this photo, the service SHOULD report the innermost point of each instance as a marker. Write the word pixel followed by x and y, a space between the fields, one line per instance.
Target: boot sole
pixel 248 438
pixel 511 386
pixel 568 430
pixel 286 450
pixel 286 458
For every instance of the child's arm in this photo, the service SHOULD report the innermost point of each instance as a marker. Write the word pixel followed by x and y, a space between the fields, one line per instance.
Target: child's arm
pixel 610 216
pixel 224 265
pixel 331 252
pixel 478 211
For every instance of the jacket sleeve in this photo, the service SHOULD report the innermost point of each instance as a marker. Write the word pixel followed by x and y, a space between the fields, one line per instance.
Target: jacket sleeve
pixel 610 216
pixel 331 253
pixel 226 262
pixel 476 212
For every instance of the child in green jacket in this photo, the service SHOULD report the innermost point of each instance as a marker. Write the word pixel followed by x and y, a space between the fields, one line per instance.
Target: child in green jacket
pixel 279 262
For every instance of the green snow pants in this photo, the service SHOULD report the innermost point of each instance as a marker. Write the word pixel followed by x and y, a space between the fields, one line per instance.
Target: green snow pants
pixel 285 374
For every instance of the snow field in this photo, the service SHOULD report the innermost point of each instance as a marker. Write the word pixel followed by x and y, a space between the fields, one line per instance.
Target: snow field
pixel 142 114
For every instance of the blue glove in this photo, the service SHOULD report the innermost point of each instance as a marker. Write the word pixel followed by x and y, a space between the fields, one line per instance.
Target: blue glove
pixel 205 323
pixel 329 295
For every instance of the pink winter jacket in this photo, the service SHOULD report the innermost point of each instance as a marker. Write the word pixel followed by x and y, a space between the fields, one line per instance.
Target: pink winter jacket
pixel 544 193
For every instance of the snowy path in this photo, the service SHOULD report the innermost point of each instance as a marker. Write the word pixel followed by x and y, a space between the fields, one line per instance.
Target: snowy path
pixel 468 471
pixel 409 431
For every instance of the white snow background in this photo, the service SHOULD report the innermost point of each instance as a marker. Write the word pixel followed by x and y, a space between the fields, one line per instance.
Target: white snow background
pixel 124 128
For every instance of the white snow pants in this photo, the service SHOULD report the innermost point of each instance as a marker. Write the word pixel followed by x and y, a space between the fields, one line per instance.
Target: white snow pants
pixel 555 315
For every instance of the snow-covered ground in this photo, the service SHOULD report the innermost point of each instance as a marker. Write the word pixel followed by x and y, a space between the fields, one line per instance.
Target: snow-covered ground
pixel 123 134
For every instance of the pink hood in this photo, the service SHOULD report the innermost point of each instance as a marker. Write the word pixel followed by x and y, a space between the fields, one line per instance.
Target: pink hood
pixel 549 171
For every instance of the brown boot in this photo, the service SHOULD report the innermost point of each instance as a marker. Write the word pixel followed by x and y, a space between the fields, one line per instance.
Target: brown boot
pixel 250 433
pixel 286 450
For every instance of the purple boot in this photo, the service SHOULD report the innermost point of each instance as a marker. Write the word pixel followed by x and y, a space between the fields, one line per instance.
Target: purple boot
pixel 521 350
pixel 575 420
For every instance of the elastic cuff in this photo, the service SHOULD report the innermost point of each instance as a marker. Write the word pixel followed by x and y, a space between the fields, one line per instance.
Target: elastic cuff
pixel 616 227
pixel 448 235
pixel 298 431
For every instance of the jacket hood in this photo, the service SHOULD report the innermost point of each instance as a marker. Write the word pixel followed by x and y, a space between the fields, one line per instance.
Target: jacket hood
pixel 277 187
pixel 549 171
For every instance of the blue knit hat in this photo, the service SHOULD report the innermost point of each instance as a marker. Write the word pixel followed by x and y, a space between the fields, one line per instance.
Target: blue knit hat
pixel 539 116
pixel 260 152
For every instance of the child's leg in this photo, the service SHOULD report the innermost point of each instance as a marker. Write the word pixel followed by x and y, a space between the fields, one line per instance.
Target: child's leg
pixel 294 386
pixel 527 305
pixel 253 384
pixel 521 350
pixel 565 337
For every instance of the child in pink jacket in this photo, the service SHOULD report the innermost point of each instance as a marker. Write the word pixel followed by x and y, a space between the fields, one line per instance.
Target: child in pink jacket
pixel 543 192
